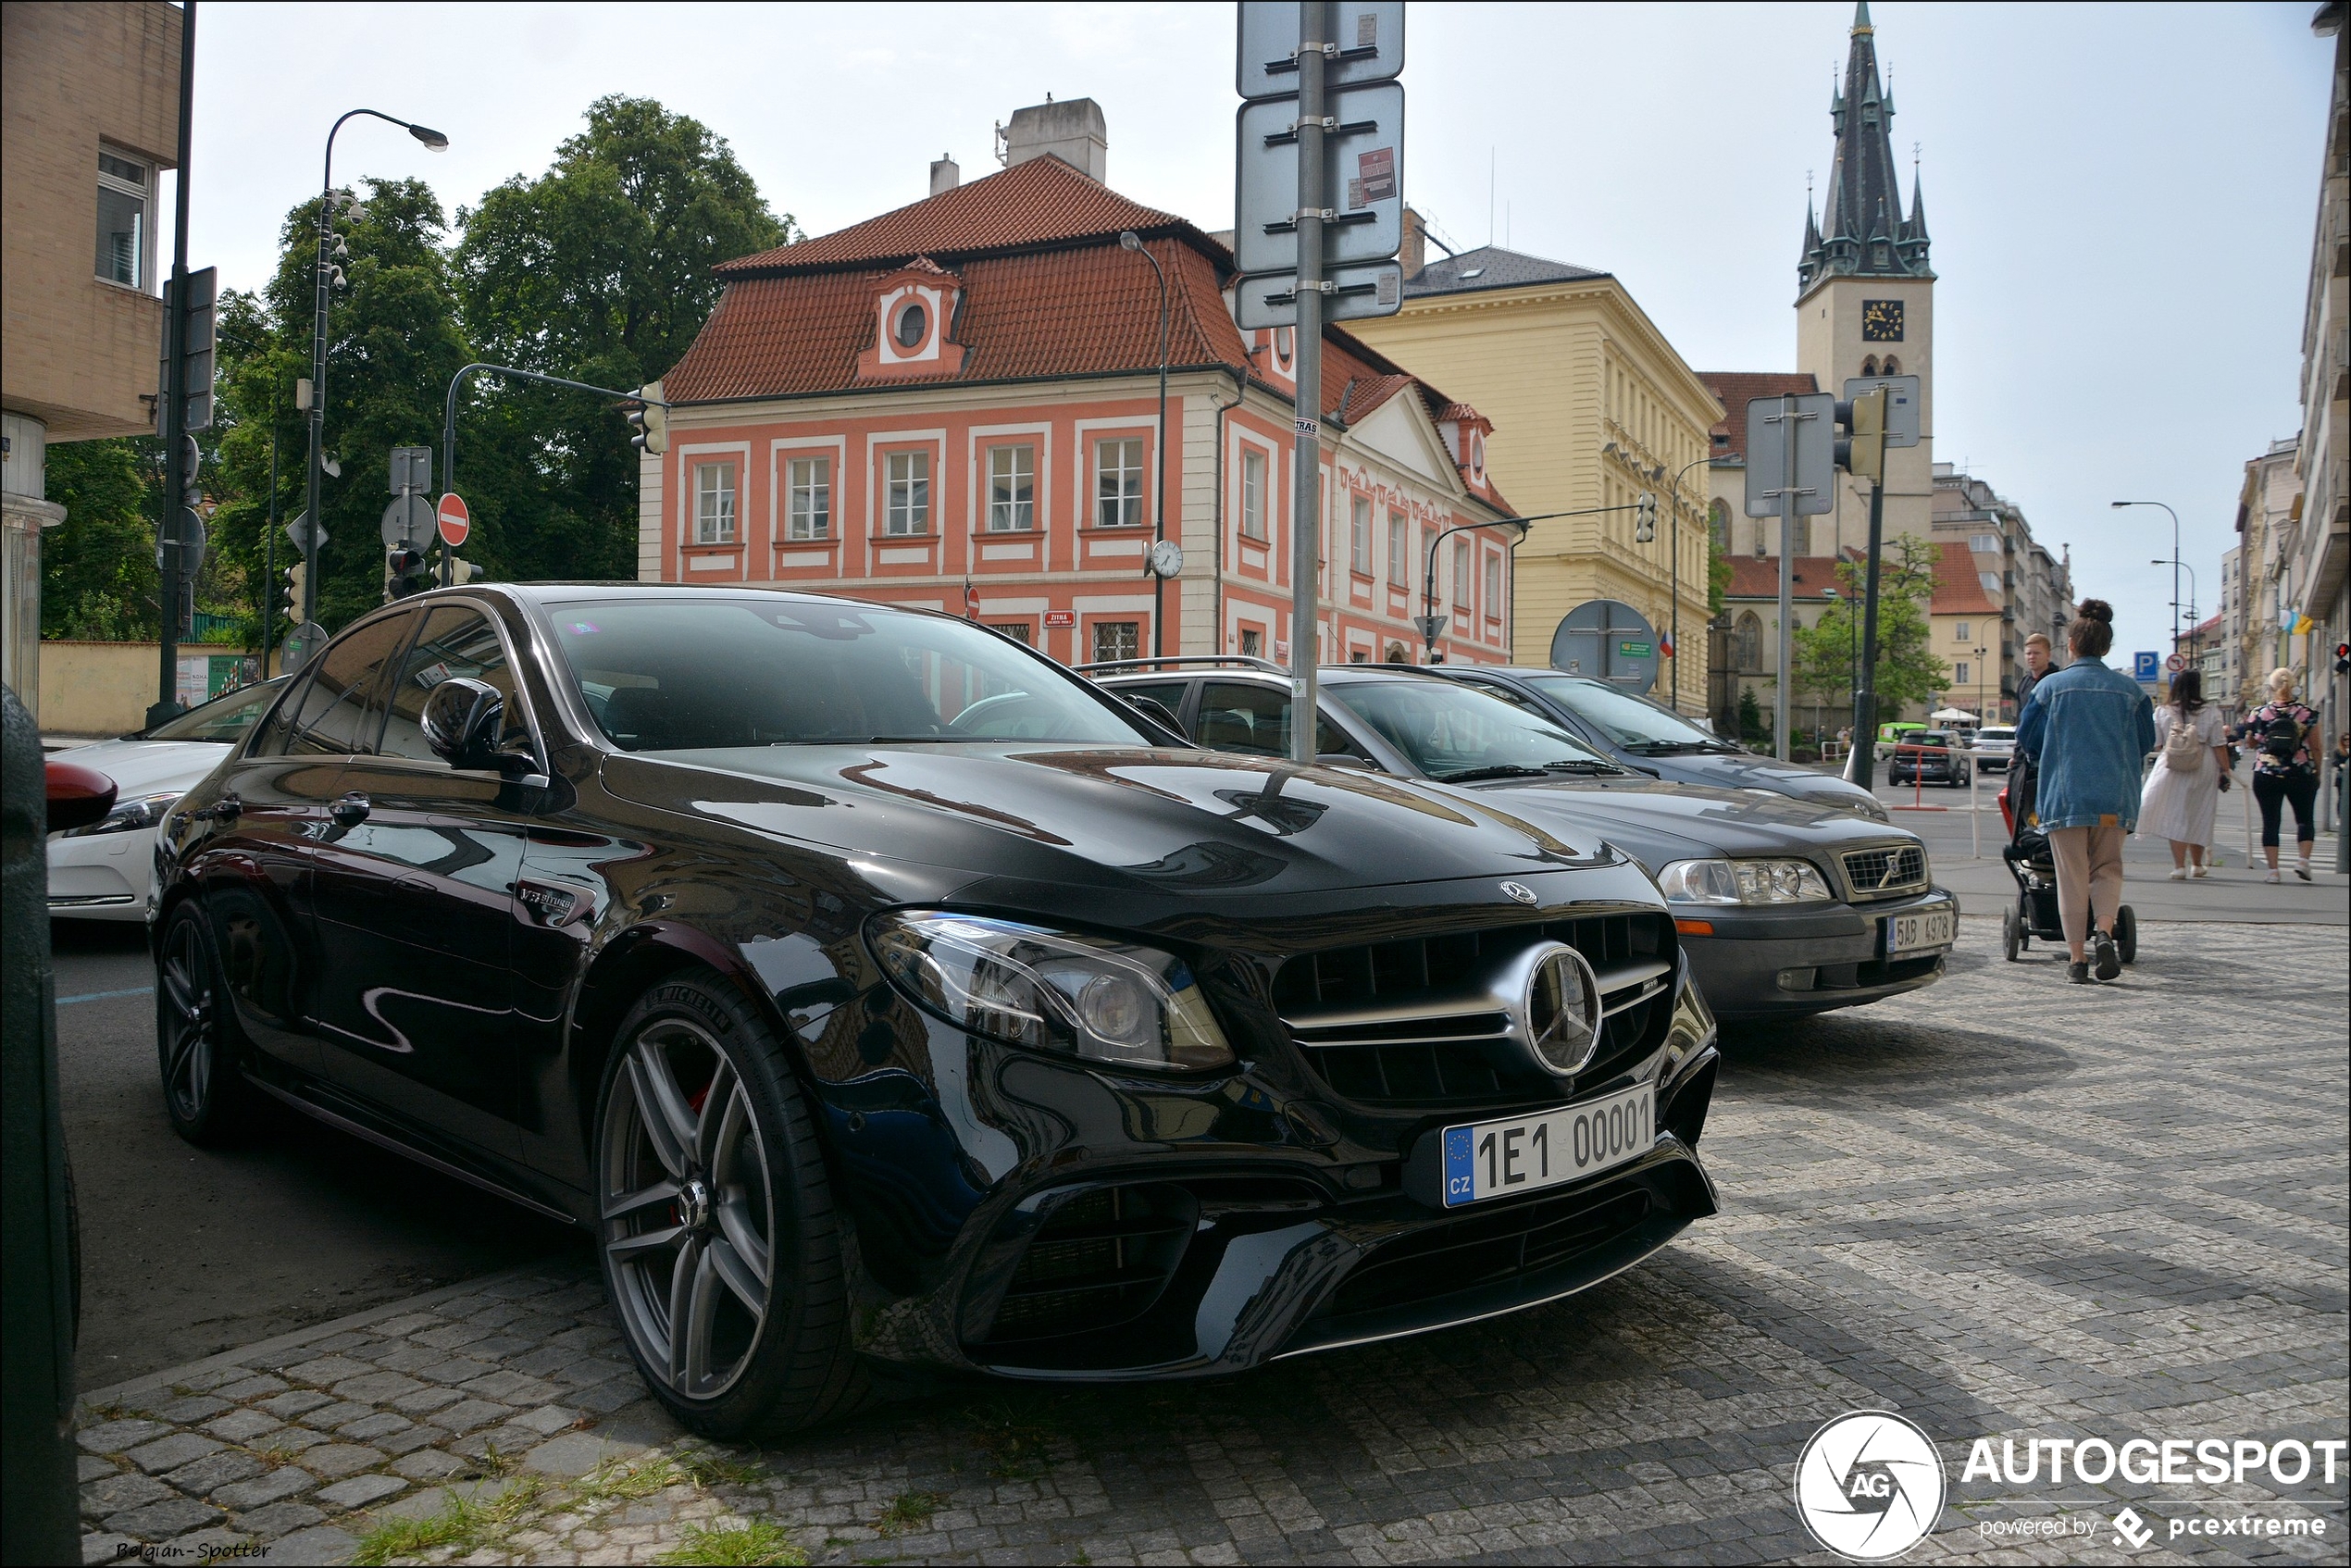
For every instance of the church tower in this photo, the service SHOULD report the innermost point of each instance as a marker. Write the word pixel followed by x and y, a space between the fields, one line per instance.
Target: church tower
pixel 1865 294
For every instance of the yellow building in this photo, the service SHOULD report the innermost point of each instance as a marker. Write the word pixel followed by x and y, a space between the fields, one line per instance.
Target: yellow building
pixel 1591 406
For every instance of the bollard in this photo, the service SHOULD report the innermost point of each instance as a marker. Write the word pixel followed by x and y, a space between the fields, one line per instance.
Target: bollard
pixel 39 1505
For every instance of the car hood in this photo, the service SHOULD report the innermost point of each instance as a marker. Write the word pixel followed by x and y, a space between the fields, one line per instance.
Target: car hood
pixel 1658 821
pixel 1750 772
pixel 1199 823
pixel 149 767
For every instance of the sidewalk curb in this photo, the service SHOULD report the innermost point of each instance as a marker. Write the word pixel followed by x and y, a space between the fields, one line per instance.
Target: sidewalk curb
pixel 149 1382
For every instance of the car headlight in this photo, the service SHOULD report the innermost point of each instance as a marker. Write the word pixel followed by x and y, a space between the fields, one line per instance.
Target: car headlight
pixel 1052 990
pixel 1743 881
pixel 129 816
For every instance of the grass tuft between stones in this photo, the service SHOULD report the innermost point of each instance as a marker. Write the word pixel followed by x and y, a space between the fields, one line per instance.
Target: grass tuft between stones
pixel 757 1543
pixel 908 1513
pixel 461 1522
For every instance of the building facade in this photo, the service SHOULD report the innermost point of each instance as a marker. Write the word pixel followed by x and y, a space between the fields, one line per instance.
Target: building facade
pixel 1987 555
pixel 2318 572
pixel 90 93
pixel 2270 512
pixel 954 405
pixel 1591 407
pixel 1751 643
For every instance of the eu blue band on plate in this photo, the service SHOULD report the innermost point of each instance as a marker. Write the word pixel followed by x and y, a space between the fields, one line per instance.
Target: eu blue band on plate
pixel 1460 1182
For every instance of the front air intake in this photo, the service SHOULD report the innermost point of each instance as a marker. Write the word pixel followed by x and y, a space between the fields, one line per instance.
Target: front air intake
pixel 1101 1261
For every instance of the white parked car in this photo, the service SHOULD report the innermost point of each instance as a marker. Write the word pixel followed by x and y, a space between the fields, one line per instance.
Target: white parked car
pixel 1995 747
pixel 107 871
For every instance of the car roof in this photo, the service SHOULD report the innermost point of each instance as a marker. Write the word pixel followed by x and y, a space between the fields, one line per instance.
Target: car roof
pixel 1325 674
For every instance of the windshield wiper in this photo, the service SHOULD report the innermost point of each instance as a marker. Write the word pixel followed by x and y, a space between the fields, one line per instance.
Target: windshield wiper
pixel 868 740
pixel 1582 765
pixel 1503 770
pixel 1667 748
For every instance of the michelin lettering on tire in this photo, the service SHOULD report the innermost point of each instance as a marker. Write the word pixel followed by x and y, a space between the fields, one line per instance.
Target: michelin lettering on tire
pixel 1869 1485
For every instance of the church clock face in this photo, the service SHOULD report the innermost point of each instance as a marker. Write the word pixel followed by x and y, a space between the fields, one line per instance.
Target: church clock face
pixel 1882 321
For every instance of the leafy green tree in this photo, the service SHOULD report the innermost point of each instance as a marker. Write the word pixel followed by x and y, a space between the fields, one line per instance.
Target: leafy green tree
pixel 1752 729
pixel 1907 671
pixel 1718 560
pixel 598 270
pixel 98 569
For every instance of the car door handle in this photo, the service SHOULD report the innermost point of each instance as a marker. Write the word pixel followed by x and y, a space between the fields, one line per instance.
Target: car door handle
pixel 352 810
pixel 228 808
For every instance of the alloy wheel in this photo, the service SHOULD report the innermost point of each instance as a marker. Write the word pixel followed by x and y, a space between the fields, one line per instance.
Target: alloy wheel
pixel 689 1225
pixel 190 1023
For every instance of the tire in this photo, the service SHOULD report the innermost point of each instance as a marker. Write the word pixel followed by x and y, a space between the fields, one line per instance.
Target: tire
pixel 2012 929
pixel 716 1213
pixel 2126 934
pixel 199 1048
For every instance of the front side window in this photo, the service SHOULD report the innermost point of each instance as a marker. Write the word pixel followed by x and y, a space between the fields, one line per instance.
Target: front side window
pixel 125 189
pixel 668 674
pixel 1118 483
pixel 343 707
pixel 809 487
pixel 1012 488
pixel 1241 715
pixel 1252 494
pixel 457 641
pixel 1447 730
pixel 1399 550
pixel 1117 640
pixel 713 503
pixel 1359 537
pixel 1635 722
pixel 906 502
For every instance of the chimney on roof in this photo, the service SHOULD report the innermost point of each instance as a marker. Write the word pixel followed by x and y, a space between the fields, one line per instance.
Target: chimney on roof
pixel 1072 130
pixel 944 175
pixel 1415 252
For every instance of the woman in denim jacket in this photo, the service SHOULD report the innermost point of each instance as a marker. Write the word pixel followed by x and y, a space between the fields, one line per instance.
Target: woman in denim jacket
pixel 2087 728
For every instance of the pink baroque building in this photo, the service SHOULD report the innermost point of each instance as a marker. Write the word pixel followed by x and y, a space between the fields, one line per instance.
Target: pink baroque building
pixel 954 405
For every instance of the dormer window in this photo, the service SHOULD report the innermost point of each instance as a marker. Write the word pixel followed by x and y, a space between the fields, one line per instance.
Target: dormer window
pixel 1285 345
pixel 912 325
pixel 913 313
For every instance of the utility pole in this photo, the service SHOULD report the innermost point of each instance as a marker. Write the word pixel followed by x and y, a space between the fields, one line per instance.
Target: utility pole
pixel 171 419
pixel 1864 764
pixel 1306 563
pixel 1787 652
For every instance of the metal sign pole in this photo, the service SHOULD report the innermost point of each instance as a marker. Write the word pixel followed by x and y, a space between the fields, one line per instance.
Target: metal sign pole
pixel 1306 566
pixel 1865 698
pixel 1787 574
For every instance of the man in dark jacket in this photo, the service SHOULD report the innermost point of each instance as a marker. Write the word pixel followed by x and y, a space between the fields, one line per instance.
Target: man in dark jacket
pixel 2022 772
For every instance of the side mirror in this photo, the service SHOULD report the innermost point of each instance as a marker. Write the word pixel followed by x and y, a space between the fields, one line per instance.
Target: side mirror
pixel 461 722
pixel 1156 711
pixel 79 796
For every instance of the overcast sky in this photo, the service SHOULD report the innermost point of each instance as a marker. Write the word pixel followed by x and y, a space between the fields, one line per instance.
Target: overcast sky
pixel 2121 198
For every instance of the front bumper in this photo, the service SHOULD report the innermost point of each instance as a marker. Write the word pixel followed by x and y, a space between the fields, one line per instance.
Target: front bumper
pixel 1765 963
pixel 102 876
pixel 1148 1228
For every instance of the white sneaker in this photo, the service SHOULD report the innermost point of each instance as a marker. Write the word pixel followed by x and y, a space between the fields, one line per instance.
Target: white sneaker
pixel 2200 871
pixel 2270 877
pixel 2179 874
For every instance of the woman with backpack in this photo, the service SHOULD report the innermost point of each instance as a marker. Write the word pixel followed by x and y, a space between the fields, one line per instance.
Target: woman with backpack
pixel 2286 768
pixel 2182 794
pixel 2086 728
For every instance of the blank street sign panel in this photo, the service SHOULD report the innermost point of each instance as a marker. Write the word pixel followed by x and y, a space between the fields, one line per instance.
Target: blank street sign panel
pixel 1370 35
pixel 1815 477
pixel 1364 175
pixel 1359 291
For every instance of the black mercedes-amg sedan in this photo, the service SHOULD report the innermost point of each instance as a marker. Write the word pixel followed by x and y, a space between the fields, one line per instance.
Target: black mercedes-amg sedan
pixel 876 989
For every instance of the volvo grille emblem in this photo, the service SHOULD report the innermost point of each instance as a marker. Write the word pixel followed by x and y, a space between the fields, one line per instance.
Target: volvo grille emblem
pixel 1561 1012
pixel 1520 891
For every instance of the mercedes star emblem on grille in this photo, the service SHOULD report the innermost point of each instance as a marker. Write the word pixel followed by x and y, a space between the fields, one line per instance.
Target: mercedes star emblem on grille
pixel 1563 1011
pixel 1520 891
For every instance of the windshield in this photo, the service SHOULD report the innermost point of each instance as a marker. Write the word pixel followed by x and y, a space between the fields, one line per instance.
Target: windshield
pixel 225 718
pixel 696 674
pixel 1449 730
pixel 1625 719
pixel 1996 734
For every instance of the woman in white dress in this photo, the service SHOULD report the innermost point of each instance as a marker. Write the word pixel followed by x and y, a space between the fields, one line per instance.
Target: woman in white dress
pixel 2182 794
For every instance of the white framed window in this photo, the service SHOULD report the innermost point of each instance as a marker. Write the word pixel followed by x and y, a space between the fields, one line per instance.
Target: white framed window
pixel 809 498
pixel 1253 643
pixel 713 503
pixel 1118 482
pixel 1117 640
pixel 1493 586
pixel 126 198
pixel 1984 543
pixel 1461 572
pixel 1399 550
pixel 906 493
pixel 1358 546
pixel 1958 673
pixel 1012 488
pixel 1962 632
pixel 1252 494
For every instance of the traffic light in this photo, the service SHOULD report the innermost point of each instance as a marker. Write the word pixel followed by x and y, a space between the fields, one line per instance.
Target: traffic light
pixel 1861 450
pixel 295 575
pixel 1645 527
pixel 2343 658
pixel 202 328
pixel 649 427
pixel 406 573
pixel 461 572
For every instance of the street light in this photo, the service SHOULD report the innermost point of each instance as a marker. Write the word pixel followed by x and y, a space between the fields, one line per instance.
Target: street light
pixel 318 410
pixel 2175 563
pixel 2192 599
pixel 1130 240
pixel 1428 577
pixel 1674 493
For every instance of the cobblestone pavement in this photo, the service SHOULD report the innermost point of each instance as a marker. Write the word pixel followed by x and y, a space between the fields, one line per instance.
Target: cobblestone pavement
pixel 2008 1207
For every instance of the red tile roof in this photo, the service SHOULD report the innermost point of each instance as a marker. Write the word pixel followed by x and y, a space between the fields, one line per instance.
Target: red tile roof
pixel 1734 389
pixel 1043 200
pixel 1958 590
pixel 1754 578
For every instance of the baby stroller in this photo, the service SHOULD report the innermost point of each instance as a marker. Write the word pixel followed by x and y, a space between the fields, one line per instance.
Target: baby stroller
pixel 2035 913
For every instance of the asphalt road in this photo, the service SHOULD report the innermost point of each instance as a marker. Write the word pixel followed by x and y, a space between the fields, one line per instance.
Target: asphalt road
pixel 188 1252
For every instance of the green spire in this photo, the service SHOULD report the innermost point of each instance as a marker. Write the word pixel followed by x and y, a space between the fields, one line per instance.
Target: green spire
pixel 1862 17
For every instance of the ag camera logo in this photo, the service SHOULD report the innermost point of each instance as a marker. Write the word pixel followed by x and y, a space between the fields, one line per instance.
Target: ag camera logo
pixel 1869 1485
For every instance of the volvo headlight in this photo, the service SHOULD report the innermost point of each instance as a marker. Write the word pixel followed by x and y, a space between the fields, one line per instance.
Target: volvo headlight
pixel 1052 990
pixel 129 816
pixel 1743 881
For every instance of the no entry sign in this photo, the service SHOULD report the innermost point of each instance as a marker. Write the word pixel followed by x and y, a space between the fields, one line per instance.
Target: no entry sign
pixel 455 521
